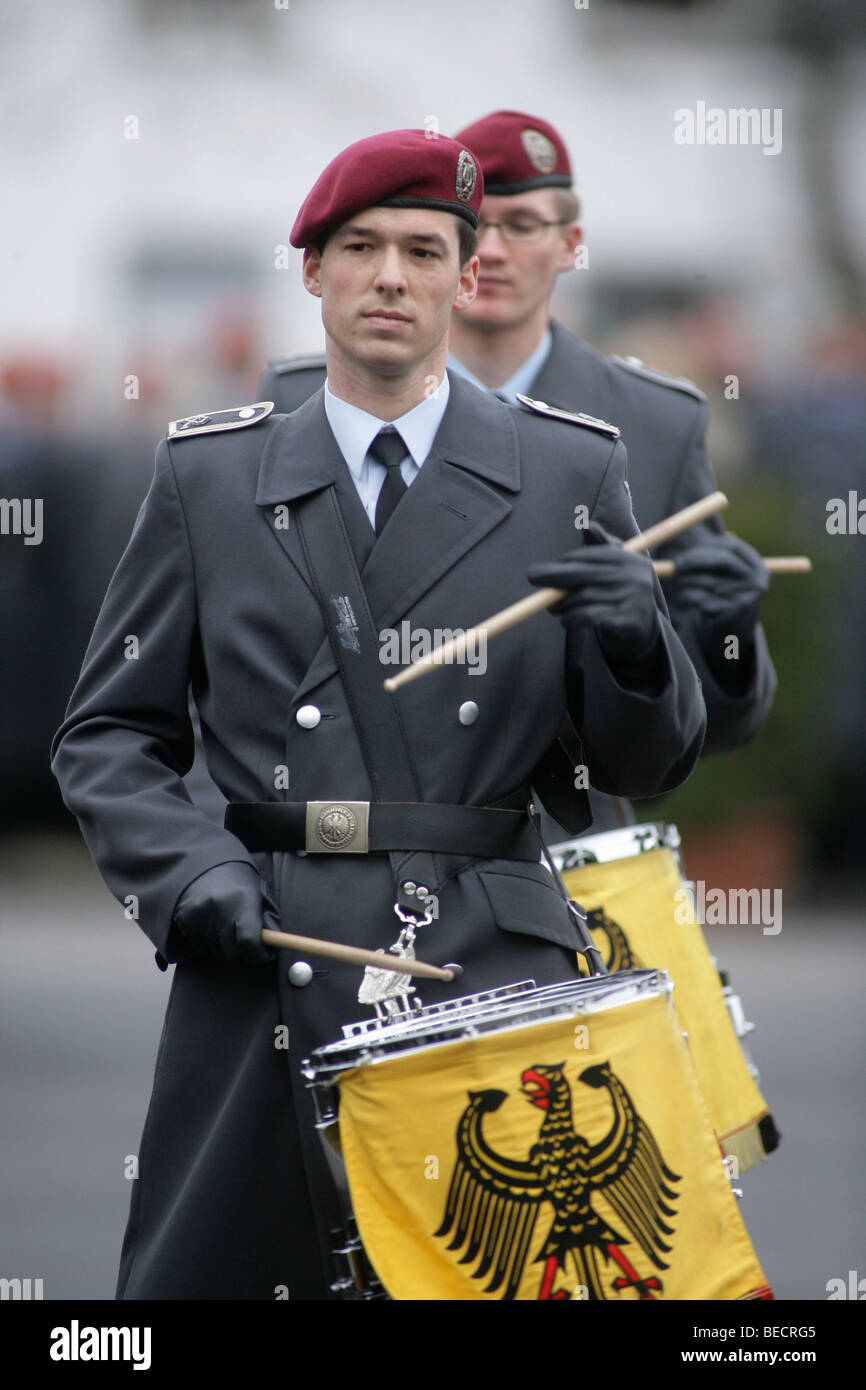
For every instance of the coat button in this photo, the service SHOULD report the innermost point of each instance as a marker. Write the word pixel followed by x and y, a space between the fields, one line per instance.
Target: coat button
pixel 308 716
pixel 300 973
pixel 468 712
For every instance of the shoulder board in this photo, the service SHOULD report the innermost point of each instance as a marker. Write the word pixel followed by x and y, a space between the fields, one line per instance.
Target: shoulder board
pixel 674 383
pixel 588 421
pixel 298 363
pixel 217 420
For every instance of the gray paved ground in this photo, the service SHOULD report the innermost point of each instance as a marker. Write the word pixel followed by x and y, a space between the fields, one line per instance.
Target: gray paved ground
pixel 81 1006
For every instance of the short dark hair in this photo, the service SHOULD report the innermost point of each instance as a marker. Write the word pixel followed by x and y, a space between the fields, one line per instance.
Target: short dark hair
pixel 467 240
pixel 567 204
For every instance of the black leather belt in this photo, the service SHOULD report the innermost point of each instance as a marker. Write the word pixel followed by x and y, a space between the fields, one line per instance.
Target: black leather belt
pixel 379 827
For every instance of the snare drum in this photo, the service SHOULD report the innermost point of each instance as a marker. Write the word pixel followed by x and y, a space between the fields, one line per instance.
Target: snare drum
pixel 534 1144
pixel 641 913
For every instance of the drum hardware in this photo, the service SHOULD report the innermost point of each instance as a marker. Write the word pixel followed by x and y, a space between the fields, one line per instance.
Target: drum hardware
pixel 356 1278
pixel 389 993
pixel 369 1041
pixel 742 1028
pixel 383 989
pixel 372 1025
pixel 741 1025
pixel 609 845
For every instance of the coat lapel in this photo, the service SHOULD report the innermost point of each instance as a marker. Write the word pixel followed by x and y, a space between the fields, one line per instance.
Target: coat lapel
pixel 301 456
pixel 459 496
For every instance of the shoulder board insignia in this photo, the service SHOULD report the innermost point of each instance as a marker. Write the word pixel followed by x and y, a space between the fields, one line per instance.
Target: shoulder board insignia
pixel 575 418
pixel 298 363
pixel 673 383
pixel 218 420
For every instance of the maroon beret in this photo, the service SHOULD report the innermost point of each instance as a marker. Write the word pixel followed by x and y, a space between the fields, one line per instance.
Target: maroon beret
pixel 399 169
pixel 518 152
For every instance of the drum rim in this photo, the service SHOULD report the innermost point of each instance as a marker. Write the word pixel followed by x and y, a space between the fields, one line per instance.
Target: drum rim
pixel 622 842
pixel 408 1037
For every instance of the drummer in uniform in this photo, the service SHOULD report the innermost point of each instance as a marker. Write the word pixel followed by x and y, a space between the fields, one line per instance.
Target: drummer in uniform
pixel 447 504
pixel 506 342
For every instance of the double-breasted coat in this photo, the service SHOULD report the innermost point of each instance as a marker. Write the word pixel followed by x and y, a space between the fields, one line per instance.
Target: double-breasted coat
pixel 233 1197
pixel 663 423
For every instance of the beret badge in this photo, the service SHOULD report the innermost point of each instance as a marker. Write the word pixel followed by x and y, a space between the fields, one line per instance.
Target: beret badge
pixel 467 176
pixel 540 151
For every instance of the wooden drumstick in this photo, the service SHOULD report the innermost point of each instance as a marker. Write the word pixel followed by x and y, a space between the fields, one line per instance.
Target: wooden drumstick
pixel 356 955
pixel 534 603
pixel 776 564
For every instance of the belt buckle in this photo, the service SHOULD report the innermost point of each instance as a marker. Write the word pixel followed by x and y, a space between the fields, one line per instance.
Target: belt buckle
pixel 338 827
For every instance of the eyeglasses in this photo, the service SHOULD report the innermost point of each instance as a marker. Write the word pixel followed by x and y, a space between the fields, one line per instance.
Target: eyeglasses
pixel 520 227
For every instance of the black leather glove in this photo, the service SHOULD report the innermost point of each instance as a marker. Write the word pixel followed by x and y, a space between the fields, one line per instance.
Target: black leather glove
pixel 220 915
pixel 725 580
pixel 611 590
pixel 718 589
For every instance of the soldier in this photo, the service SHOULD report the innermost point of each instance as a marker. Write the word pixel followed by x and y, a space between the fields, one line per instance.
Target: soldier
pixel 505 341
pixel 439 512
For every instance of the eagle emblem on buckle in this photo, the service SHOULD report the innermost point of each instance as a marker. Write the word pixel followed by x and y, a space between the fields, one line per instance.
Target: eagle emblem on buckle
pixel 336 826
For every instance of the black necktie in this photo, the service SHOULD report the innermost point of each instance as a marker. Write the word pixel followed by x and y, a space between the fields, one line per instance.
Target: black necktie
pixel 388 449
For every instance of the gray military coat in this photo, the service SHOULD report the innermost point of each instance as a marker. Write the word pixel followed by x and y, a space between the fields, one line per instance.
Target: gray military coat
pixel 663 422
pixel 233 1199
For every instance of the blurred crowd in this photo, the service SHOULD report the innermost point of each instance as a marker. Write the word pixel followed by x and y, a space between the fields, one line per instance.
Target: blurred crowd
pixel 782 448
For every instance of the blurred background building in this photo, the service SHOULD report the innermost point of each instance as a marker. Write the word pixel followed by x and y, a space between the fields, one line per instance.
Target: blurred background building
pixel 153 156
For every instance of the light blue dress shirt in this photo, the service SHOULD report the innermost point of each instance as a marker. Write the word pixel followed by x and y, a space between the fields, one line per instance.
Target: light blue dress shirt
pixel 355 429
pixel 522 378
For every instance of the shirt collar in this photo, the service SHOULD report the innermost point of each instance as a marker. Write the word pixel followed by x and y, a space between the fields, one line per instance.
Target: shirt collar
pixel 355 429
pixel 520 381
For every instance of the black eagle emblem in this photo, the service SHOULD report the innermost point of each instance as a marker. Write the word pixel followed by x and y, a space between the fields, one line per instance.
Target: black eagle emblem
pixel 610 938
pixel 494 1201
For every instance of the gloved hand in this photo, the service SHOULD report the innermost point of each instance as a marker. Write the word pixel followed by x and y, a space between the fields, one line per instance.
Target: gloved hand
pixel 611 590
pixel 221 914
pixel 721 582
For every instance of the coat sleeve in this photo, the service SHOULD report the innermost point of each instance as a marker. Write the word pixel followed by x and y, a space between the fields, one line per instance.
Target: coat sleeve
pixel 636 742
pixel 127 740
pixel 736 709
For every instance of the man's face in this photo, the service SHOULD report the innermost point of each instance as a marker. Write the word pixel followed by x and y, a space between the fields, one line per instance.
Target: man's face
pixel 517 277
pixel 388 280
